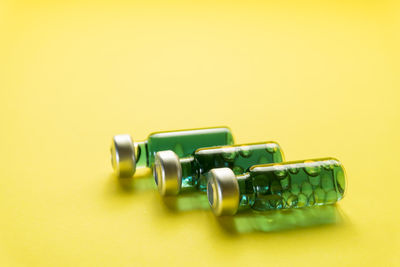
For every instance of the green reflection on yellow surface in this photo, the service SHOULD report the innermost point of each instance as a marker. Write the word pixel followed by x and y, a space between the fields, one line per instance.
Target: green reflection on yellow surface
pixel 280 220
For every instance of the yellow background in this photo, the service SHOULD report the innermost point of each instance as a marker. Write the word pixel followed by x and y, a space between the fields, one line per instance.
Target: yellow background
pixel 319 77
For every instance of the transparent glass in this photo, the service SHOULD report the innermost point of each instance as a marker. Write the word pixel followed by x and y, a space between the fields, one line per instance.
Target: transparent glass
pixel 182 142
pixel 236 157
pixel 293 184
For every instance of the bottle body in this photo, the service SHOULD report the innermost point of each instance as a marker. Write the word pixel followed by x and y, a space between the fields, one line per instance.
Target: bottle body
pixel 239 158
pixel 292 185
pixel 183 143
pixel 142 154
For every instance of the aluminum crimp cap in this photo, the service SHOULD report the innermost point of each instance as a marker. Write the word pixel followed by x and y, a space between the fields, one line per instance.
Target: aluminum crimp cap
pixel 167 173
pixel 123 157
pixel 223 191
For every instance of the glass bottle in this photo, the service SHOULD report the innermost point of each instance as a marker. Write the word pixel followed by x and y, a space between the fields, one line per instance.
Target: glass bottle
pixel 173 173
pixel 293 184
pixel 127 155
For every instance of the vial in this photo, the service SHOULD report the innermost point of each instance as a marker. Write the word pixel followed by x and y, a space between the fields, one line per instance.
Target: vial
pixel 287 185
pixel 172 173
pixel 127 155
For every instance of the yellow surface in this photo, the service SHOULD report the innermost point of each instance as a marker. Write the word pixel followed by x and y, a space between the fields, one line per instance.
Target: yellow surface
pixel 322 79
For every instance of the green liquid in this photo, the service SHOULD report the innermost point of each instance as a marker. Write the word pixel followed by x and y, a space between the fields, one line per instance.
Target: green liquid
pixel 292 185
pixel 183 143
pixel 239 158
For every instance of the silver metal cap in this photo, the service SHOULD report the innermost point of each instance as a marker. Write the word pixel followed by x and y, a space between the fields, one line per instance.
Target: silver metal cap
pixel 123 157
pixel 167 173
pixel 223 191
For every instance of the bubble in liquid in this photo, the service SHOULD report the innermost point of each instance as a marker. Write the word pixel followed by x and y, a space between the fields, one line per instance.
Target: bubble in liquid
pixel 245 151
pixel 280 171
pixel 237 170
pixel 285 196
pixel 302 200
pixel 319 196
pixel 311 169
pixel 311 200
pixel 331 197
pixel 315 180
pixel 285 183
pixel 271 148
pixel 328 165
pixel 326 182
pixel 229 154
pixel 295 189
pixel 306 189
pixel 292 201
pixel 336 163
pixel 294 169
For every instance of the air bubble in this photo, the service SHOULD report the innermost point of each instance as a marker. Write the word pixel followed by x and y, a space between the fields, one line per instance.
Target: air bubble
pixel 237 170
pixel 245 151
pixel 328 165
pixel 285 183
pixel 280 171
pixel 319 196
pixel 292 201
pixel 294 170
pixel 295 189
pixel 302 200
pixel 271 148
pixel 326 182
pixel 315 180
pixel 331 197
pixel 311 200
pixel 229 154
pixel 312 169
pixel 306 189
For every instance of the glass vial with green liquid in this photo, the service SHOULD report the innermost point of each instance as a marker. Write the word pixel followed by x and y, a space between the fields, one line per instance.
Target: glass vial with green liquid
pixel 173 173
pixel 127 155
pixel 293 184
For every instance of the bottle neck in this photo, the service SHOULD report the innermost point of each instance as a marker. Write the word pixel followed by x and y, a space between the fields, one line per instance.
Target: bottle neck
pixel 189 174
pixel 141 154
